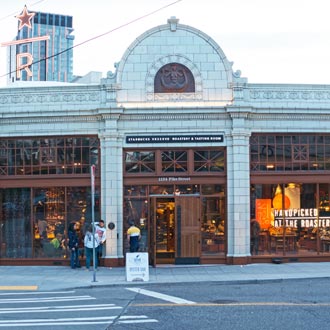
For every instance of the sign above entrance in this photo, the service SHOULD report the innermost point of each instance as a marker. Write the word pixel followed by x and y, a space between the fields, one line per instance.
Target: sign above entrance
pixel 174 138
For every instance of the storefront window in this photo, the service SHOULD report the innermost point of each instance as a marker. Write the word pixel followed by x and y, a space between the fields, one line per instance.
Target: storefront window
pixel 175 162
pixel 213 225
pixel 209 161
pixel 288 152
pixel 15 223
pixel 51 155
pixel 186 189
pixel 135 190
pixel 139 161
pixel 34 221
pixel 136 209
pixel 162 190
pixel 49 226
pixel 294 219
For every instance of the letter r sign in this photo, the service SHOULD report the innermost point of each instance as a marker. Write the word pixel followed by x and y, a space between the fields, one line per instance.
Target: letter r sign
pixel 20 66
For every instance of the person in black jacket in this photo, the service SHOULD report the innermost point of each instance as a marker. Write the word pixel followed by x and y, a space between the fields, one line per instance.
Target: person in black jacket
pixel 255 231
pixel 74 236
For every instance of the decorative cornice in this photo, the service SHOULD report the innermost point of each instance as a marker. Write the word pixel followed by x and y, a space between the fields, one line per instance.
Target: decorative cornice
pixel 49 97
pixel 172 116
pixel 48 120
pixel 112 117
pixel 239 114
pixel 289 117
pixel 276 94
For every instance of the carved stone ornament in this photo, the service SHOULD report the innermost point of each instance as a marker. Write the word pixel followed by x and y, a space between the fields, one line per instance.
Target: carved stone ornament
pixel 174 78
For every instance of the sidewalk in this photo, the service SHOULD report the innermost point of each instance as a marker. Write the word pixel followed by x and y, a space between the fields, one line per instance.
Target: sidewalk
pixel 49 278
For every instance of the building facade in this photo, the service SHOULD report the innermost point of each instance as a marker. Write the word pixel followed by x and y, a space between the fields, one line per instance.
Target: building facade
pixel 47 51
pixel 182 145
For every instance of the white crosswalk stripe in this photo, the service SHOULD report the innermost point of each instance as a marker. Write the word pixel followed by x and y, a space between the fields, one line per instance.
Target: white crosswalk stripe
pixel 77 321
pixel 42 300
pixel 162 296
pixel 69 303
pixel 58 309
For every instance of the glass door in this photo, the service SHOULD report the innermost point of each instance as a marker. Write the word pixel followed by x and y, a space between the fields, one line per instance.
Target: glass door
pixel 163 210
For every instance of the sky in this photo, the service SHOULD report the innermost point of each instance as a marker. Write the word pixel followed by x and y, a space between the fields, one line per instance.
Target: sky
pixel 282 41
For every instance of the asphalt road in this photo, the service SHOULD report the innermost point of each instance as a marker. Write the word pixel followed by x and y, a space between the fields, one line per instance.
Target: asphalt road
pixel 289 304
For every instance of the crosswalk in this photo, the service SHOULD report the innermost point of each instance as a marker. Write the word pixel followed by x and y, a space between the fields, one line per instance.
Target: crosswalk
pixel 51 309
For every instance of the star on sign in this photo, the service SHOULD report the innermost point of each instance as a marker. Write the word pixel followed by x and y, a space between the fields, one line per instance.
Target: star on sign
pixel 25 19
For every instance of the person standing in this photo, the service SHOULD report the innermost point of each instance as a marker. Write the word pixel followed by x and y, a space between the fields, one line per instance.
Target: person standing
pixel 88 242
pixel 101 232
pixel 255 231
pixel 74 235
pixel 133 237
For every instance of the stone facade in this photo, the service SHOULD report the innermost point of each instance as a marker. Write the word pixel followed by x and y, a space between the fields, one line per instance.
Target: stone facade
pixel 124 103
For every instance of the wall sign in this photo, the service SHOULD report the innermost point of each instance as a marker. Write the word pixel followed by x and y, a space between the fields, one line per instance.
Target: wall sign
pixel 174 138
pixel 173 179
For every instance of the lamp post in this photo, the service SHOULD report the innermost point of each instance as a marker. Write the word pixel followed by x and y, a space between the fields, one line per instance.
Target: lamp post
pixel 93 218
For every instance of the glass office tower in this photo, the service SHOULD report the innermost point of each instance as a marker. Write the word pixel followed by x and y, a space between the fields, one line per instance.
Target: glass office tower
pixel 52 58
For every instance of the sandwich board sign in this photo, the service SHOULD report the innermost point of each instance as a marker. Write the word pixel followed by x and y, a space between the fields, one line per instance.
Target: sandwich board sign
pixel 137 267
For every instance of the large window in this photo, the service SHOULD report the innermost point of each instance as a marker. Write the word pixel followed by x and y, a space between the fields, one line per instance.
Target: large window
pixel 209 160
pixel 35 214
pixel 49 155
pixel 294 219
pixel 175 161
pixel 34 221
pixel 214 222
pixel 290 152
pixel 139 161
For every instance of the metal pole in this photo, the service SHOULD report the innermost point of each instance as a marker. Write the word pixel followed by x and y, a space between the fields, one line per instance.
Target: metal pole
pixel 93 217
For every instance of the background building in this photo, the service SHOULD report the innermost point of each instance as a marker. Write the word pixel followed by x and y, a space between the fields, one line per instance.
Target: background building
pixel 52 58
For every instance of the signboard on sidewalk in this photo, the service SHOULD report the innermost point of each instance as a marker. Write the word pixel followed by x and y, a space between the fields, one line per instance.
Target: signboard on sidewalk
pixel 137 267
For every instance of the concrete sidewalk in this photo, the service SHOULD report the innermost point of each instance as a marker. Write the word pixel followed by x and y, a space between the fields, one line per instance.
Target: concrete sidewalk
pixel 49 278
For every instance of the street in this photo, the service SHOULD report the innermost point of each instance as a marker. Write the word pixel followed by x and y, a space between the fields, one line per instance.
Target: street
pixel 288 304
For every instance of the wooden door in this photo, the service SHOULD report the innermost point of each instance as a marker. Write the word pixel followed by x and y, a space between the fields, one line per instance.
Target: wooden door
pixel 188 230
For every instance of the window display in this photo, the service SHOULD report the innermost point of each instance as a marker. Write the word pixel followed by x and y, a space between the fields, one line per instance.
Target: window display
pixel 39 229
pixel 15 223
pixel 213 225
pixel 294 218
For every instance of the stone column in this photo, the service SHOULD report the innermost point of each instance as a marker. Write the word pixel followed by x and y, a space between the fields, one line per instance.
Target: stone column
pixel 112 196
pixel 238 191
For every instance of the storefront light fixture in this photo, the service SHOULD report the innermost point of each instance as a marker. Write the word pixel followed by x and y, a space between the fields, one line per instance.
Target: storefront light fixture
pixel 270 166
